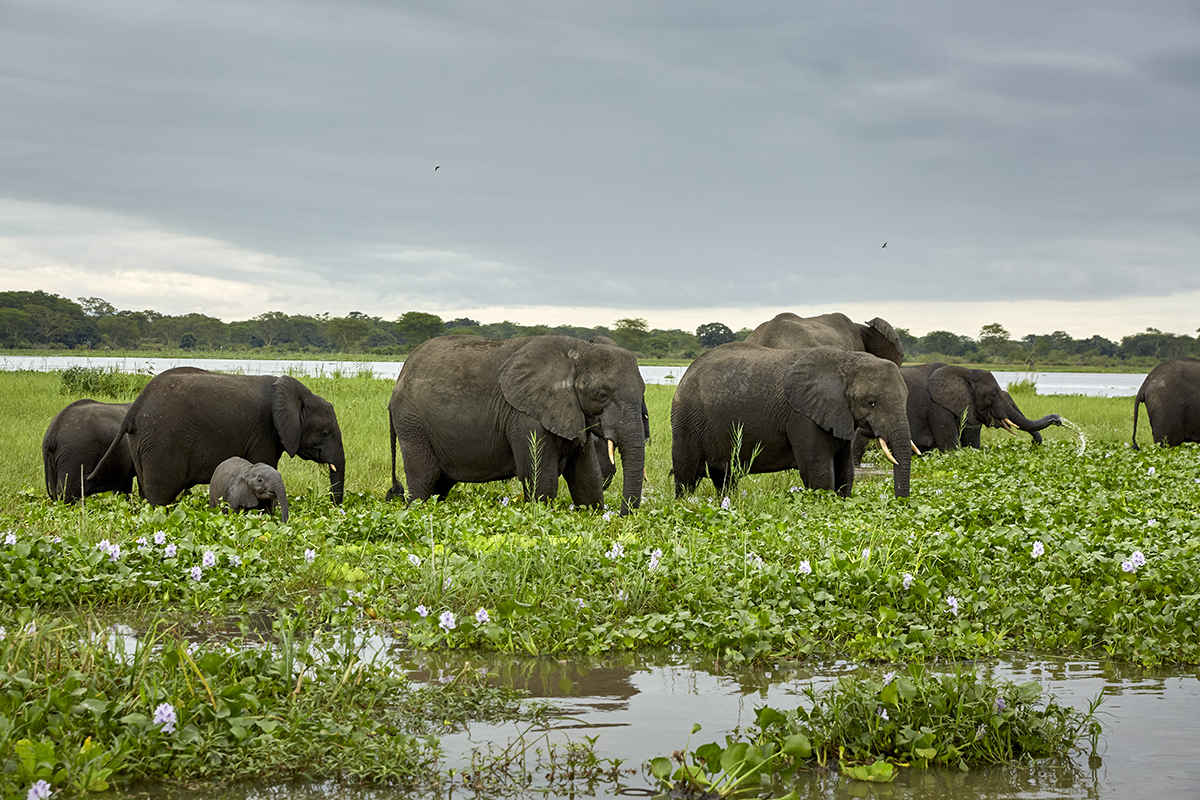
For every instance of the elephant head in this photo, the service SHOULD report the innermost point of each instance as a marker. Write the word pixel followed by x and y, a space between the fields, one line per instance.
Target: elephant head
pixel 244 485
pixel 975 396
pixel 849 392
pixel 575 389
pixel 307 426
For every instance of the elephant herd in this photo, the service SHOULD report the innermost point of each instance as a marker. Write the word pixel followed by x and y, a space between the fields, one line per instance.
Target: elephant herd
pixel 808 394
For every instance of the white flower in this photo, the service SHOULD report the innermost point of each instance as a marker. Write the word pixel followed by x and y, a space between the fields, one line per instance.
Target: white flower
pixel 1150 471
pixel 888 678
pixel 616 551
pixel 952 601
pixel 160 537
pixel 481 616
pixel 10 538
pixel 210 559
pixel 310 555
pixel 165 715
pixel 805 567
pixel 446 622
pixel 908 579
pixel 414 559
pixel 1038 548
pixel 866 553
pixel 655 556
pixel 622 596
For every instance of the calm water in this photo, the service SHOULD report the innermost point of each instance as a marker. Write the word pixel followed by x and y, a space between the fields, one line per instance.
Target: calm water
pixel 636 707
pixel 1088 383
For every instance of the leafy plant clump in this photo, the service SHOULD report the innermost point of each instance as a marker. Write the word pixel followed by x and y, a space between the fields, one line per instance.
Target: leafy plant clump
pixel 868 727
pixel 101 382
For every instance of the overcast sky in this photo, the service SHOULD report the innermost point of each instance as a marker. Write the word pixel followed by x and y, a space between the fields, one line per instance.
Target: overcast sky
pixel 1035 164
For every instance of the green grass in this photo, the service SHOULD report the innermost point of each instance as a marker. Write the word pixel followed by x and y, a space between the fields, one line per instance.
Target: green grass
pixel 952 572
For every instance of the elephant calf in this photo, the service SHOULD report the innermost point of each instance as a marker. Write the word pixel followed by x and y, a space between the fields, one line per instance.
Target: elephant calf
pixel 244 486
pixel 75 442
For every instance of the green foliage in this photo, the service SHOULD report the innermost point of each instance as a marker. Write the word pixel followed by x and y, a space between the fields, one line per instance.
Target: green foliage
pixel 868 726
pixel 103 383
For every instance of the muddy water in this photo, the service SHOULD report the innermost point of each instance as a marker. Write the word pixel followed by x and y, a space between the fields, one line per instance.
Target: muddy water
pixel 636 707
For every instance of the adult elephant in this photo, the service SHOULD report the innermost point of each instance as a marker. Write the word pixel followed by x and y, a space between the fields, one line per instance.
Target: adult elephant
pixel 790 409
pixel 472 410
pixel 76 440
pixel 605 448
pixel 186 421
pixel 948 405
pixel 1171 393
pixel 788 331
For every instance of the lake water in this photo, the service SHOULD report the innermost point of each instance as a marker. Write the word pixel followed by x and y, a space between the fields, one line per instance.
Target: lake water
pixel 635 707
pixel 1086 383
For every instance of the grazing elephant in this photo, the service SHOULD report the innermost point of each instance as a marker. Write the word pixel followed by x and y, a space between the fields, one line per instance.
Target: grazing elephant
pixel 790 332
pixel 604 448
pixel 799 408
pixel 186 421
pixel 74 443
pixel 472 410
pixel 1171 393
pixel 244 486
pixel 948 406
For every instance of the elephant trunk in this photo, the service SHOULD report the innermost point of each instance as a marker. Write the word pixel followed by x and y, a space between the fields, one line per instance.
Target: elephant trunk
pixel 631 441
pixel 276 486
pixel 900 443
pixel 337 476
pixel 1012 417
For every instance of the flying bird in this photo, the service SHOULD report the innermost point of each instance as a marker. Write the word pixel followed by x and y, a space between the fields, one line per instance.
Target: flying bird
pixel 884 244
pixel 439 166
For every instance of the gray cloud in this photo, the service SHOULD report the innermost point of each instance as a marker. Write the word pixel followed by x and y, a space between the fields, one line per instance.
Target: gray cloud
pixel 665 155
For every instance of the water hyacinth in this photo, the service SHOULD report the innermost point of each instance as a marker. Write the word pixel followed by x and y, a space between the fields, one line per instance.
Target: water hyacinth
pixel 169 551
pixel 725 503
pixel 1137 559
pixel 160 538
pixel 616 551
pixel 889 677
pixel 952 601
pixel 1038 548
pixel 165 715
pixel 414 559
pixel 196 573
pixel 655 556
pixel 446 621
pixel 907 580
pixel 422 611
pixel 10 538
pixel 39 791
pixel 481 616
pixel 805 567
pixel 235 560
pixel 310 555
pixel 210 559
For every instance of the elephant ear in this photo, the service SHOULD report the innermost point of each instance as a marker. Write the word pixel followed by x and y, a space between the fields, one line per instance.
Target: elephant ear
pixel 950 389
pixel 539 380
pixel 239 494
pixel 880 339
pixel 815 385
pixel 287 405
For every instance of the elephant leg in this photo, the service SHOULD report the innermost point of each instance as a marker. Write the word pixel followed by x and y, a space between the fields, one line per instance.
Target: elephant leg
pixel 420 468
pixel 536 454
pixel 971 436
pixel 443 485
pixel 843 469
pixel 722 477
pixel 584 478
pixel 813 455
pixel 687 464
pixel 944 426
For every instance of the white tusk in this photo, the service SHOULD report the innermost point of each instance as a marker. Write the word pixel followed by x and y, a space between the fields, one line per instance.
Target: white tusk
pixel 612 447
pixel 332 467
pixel 883 446
pixel 916 450
pixel 1008 426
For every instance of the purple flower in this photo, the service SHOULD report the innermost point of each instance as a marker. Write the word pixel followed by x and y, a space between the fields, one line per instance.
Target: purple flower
pixel 11 538
pixel 607 516
pixel 165 715
pixel 446 622
pixel 622 596
pixel 1000 704
pixel 908 579
pixel 888 678
pixel 235 560
pixel 655 556
pixel 481 616
pixel 805 567
pixel 142 543
pixel 866 553
pixel 103 545
pixel 1150 471
pixel 169 551
pixel 310 555
pixel 197 574
pixel 504 501
pixel 114 552
pixel 725 503
pixel 1128 566
pixel 160 538
pixel 952 601
pixel 883 714
pixel 422 611
pixel 1038 548
pixel 414 559
pixel 1137 559
pixel 616 551
pixel 210 559
pixel 39 791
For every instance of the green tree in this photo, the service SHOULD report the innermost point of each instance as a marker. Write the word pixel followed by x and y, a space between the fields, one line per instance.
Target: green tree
pixel 714 334
pixel 415 327
pixel 271 327
pixel 993 338
pixel 346 332
pixel 97 307
pixel 632 333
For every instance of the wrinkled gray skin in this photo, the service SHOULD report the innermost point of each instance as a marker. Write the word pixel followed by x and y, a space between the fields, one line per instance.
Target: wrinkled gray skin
pixel 75 442
pixel 788 331
pixel 1171 393
pixel 608 469
pixel 464 410
pixel 939 395
pixel 186 421
pixel 244 486
pixel 802 407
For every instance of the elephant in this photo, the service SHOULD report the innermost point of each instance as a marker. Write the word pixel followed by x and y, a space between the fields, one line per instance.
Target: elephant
pixel 948 405
pixel 800 409
pixel 790 332
pixel 604 449
pixel 74 443
pixel 244 486
pixel 1171 393
pixel 186 421
pixel 472 410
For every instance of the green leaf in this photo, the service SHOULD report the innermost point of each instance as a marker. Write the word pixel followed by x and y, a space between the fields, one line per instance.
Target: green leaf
pixel 660 768
pixel 879 772
pixel 798 746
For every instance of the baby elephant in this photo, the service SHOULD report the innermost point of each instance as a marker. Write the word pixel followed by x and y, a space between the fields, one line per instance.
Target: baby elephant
pixel 244 486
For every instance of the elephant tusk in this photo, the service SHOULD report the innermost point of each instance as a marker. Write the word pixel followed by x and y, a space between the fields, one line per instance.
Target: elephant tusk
pixel 916 450
pixel 612 447
pixel 333 467
pixel 883 446
pixel 1008 426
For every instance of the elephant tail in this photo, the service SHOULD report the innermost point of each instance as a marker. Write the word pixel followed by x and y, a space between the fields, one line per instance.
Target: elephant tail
pixel 397 490
pixel 1137 402
pixel 110 453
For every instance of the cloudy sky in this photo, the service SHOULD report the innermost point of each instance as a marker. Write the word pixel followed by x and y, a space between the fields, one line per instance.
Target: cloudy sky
pixel 1035 164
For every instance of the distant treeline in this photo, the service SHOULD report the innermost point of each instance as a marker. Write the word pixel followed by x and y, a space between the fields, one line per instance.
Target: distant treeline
pixel 38 320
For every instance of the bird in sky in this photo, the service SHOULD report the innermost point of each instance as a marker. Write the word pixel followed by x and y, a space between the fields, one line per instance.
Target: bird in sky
pixel 439 166
pixel 884 244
